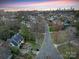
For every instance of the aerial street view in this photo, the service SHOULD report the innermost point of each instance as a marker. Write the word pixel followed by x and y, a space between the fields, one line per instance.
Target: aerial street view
pixel 39 29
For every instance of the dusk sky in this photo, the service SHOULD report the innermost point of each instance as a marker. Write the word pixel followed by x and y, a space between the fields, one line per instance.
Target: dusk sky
pixel 39 4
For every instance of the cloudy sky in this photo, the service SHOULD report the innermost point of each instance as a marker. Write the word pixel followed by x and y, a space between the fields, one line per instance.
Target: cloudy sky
pixel 40 4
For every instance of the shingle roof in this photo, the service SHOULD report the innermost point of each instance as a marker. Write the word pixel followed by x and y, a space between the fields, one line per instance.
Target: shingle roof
pixel 16 39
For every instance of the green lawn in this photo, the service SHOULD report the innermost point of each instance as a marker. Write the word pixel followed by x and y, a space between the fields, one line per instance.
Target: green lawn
pixel 59 37
pixel 51 29
pixel 68 50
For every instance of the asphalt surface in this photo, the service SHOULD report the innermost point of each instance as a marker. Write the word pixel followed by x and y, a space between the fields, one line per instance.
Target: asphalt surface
pixel 48 50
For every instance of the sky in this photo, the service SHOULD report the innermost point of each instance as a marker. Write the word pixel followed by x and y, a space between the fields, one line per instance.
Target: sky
pixel 39 4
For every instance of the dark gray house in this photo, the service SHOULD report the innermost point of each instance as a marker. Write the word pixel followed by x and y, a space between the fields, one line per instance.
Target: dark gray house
pixel 16 40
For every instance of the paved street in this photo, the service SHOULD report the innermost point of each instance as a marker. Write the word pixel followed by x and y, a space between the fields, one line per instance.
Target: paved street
pixel 48 51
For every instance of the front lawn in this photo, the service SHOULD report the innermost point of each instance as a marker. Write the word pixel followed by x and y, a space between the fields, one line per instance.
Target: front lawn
pixel 68 51
pixel 51 29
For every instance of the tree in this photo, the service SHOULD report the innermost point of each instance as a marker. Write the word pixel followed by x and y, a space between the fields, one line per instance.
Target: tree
pixel 8 28
pixel 4 33
pixel 1 22
pixel 14 50
pixel 77 23
pixel 38 28
pixel 25 32
pixel 77 27
pixel 77 14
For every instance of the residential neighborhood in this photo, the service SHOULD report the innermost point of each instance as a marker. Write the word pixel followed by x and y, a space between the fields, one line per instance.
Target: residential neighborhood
pixel 52 34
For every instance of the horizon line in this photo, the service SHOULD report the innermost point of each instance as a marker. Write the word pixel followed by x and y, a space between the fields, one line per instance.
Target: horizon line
pixel 25 9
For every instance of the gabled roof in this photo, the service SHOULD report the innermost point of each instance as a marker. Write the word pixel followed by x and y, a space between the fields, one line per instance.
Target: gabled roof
pixel 16 39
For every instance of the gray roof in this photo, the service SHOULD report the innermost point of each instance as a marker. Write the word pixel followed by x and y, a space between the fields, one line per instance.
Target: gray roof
pixel 16 39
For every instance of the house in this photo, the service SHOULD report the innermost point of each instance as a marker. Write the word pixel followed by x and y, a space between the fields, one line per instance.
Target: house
pixel 66 23
pixel 16 40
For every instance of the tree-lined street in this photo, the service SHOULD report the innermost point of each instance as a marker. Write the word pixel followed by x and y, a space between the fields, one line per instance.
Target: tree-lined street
pixel 48 50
